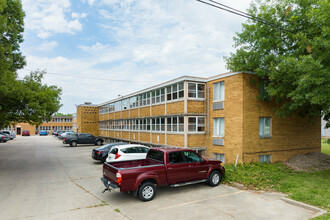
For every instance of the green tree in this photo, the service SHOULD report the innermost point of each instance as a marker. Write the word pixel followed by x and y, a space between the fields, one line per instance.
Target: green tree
pixel 295 63
pixel 26 100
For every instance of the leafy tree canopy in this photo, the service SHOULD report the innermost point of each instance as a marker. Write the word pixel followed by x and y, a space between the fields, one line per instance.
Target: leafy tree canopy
pixel 296 65
pixel 26 100
pixel 62 114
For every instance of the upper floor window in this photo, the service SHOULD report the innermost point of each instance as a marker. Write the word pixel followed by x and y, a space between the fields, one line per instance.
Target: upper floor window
pixel 196 124
pixel 196 90
pixel 175 124
pixel 158 96
pixel 134 102
pixel 145 99
pixel 125 104
pixel 118 106
pixel 219 127
pixel 219 91
pixel 175 91
pixel 158 124
pixel 265 127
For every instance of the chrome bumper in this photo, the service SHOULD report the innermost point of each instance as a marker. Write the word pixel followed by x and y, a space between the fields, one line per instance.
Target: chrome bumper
pixel 109 185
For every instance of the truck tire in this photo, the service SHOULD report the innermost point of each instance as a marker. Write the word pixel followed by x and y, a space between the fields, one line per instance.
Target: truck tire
pixel 147 191
pixel 98 142
pixel 214 178
pixel 73 144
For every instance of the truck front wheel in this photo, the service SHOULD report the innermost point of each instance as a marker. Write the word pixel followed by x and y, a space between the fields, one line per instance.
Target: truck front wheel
pixel 214 178
pixel 147 191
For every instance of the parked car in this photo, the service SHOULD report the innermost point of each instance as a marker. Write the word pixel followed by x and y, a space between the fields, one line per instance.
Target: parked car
pixel 127 152
pixel 163 166
pixel 54 132
pixel 43 133
pixel 11 134
pixel 82 138
pixel 3 138
pixel 6 135
pixel 59 132
pixel 63 135
pixel 101 153
pixel 25 133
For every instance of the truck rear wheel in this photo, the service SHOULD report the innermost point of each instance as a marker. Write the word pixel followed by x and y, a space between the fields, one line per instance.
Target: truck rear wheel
pixel 147 191
pixel 98 142
pixel 73 144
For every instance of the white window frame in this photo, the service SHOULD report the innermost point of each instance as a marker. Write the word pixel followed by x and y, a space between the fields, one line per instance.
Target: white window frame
pixel 198 124
pixel 219 127
pixel 196 90
pixel 263 133
pixel 219 91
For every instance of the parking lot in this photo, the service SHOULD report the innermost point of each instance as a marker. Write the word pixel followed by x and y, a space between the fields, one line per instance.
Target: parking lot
pixel 43 179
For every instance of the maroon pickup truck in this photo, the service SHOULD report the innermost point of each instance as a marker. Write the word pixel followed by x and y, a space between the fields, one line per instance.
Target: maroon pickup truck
pixel 163 166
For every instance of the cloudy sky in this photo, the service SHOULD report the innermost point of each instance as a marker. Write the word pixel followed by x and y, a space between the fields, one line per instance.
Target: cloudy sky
pixel 96 50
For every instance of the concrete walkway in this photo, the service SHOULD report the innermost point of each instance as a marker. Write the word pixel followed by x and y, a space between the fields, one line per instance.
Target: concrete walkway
pixel 43 179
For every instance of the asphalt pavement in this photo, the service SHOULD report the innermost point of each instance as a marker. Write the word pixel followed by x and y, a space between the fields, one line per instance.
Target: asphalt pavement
pixel 41 178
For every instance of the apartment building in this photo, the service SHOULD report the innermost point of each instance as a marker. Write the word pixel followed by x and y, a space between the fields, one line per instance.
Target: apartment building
pixel 219 117
pixel 56 123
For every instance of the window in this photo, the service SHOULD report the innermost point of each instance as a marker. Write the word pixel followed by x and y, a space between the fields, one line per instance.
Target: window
pixel 145 99
pixel 158 124
pixel 266 158
pixel 118 106
pixel 125 104
pixel 134 103
pixel 196 90
pixel 219 91
pixel 219 127
pixel 264 127
pixel 145 124
pixel 196 124
pixel 263 94
pixel 175 157
pixel 175 124
pixel 220 157
pixel 175 91
pixel 191 157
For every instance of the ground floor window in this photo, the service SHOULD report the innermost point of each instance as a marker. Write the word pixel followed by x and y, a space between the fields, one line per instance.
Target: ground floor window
pixel 219 127
pixel 220 157
pixel 266 158
pixel 265 127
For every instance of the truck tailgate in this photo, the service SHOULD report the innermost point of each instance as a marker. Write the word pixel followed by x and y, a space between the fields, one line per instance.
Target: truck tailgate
pixel 109 172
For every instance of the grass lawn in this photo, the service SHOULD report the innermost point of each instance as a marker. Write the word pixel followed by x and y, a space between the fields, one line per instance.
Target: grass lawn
pixel 325 147
pixel 308 187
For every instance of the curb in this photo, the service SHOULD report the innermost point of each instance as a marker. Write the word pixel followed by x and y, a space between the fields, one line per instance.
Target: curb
pixel 316 210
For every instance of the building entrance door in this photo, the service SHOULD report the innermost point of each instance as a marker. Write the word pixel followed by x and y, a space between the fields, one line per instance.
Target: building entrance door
pixel 18 132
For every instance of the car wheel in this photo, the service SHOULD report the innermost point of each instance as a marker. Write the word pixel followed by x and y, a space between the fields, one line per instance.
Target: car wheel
pixel 214 178
pixel 147 191
pixel 73 143
pixel 98 142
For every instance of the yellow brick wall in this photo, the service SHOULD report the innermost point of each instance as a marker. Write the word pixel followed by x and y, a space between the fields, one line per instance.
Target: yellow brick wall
pixel 175 140
pixel 158 109
pixel 233 114
pixel 134 113
pixel 126 114
pixel 87 119
pixel 134 136
pixel 145 112
pixel 290 136
pixel 196 106
pixel 156 136
pixel 125 135
pixel 196 140
pixel 117 115
pixel 175 107
pixel 145 136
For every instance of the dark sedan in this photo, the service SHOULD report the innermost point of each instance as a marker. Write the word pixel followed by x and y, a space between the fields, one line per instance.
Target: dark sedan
pixel 101 153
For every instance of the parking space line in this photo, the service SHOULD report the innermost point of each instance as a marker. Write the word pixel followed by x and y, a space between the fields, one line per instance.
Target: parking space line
pixel 201 200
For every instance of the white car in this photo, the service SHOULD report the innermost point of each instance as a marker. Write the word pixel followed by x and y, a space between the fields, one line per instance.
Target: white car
pixel 127 152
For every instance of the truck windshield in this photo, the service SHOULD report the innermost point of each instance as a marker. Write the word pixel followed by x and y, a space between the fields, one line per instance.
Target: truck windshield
pixel 155 155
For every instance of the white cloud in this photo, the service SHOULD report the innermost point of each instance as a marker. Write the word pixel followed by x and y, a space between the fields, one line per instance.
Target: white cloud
pixel 49 17
pixel 148 42
pixel 48 46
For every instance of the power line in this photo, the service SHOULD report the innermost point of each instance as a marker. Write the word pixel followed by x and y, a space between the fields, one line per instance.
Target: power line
pixel 86 77
pixel 246 15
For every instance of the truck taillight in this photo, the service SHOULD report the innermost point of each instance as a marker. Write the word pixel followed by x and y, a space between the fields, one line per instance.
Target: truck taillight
pixel 64 139
pixel 119 178
pixel 117 156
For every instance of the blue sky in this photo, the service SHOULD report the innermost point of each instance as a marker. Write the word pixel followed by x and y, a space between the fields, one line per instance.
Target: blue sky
pixel 142 42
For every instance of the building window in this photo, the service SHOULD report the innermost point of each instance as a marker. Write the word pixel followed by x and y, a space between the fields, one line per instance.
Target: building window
pixel 196 124
pixel 219 91
pixel 118 106
pixel 196 90
pixel 158 96
pixel 158 124
pixel 266 158
pixel 219 127
pixel 134 102
pixel 125 104
pixel 175 124
pixel 264 127
pixel 220 157
pixel 175 91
